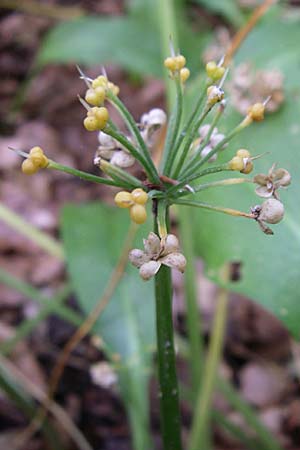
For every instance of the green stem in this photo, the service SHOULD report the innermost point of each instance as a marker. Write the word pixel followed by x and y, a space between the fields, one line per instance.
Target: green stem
pixel 210 131
pixel 85 176
pixel 202 414
pixel 229 211
pixel 209 171
pixel 226 182
pixel 190 138
pixel 173 129
pixel 119 175
pixel 47 243
pixel 130 122
pixel 127 144
pixel 168 385
pixel 195 164
pixel 192 310
pixel 168 31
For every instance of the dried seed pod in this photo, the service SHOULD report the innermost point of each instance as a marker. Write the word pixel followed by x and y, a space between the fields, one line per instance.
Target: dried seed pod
pixel 149 269
pixel 272 211
pixel 122 159
pixel 137 257
pixel 174 260
pixel 171 244
pixel 152 245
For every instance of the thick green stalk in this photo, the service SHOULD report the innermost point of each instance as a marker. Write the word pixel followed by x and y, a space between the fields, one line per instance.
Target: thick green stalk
pixel 192 310
pixel 168 385
pixel 47 243
pixel 202 414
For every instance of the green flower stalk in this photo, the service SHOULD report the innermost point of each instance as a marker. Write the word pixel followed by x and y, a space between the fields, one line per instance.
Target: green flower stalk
pixel 189 153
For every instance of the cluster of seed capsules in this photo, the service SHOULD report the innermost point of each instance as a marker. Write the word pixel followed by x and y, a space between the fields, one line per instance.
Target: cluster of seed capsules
pixel 135 201
pixel 35 161
pixel 97 115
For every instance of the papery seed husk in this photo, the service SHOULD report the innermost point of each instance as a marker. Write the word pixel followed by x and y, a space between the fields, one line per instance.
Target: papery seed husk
pixel 170 244
pixel 174 260
pixel 149 269
pixel 152 244
pixel 122 159
pixel 137 257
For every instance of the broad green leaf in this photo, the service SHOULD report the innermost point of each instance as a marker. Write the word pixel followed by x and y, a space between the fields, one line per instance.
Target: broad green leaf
pixel 91 40
pixel 132 41
pixel 229 9
pixel 270 264
pixel 93 237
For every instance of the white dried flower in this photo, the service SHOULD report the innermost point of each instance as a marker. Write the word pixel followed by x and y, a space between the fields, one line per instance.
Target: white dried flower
pixel 156 253
pixel 112 151
pixel 151 122
pixel 214 140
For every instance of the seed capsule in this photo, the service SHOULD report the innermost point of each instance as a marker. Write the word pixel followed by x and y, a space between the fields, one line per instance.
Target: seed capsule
pixel 139 196
pixel 123 199
pixel 28 167
pixel 236 163
pixel 272 211
pixel 256 112
pixel 138 214
pixel 243 153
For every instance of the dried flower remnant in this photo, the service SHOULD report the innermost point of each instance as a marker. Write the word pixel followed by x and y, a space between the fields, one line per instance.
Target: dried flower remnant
pixel 269 184
pixel 157 252
pixel 112 151
pixel 248 86
pixel 214 139
pixel 150 123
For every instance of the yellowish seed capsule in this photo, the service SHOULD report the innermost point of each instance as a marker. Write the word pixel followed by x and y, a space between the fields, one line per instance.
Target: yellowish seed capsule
pixel 210 68
pixel 248 167
pixel 184 74
pixel 38 158
pixel 28 167
pixel 180 61
pixel 95 96
pixel 243 153
pixel 170 63
pixel 123 199
pixel 256 112
pixel 138 214
pixel 99 81
pixel 219 72
pixel 91 123
pixel 236 163
pixel 113 87
pixel 102 116
pixel 36 150
pixel 139 196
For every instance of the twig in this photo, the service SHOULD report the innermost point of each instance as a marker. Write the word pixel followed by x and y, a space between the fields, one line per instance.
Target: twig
pixel 243 32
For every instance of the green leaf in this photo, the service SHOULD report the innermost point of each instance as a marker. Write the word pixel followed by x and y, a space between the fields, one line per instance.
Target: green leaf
pixel 228 9
pixel 93 237
pixel 91 40
pixel 269 272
